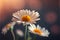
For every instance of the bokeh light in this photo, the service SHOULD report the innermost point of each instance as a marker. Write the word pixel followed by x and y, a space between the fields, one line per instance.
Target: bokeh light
pixel 55 29
pixel 50 17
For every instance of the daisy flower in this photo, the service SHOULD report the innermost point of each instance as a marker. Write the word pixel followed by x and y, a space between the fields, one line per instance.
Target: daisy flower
pixel 26 16
pixel 38 30
pixel 7 27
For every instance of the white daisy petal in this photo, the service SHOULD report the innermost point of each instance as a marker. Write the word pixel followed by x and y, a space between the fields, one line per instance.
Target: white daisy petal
pixel 30 28
pixel 32 25
pixel 37 14
pixel 16 16
pixel 43 29
pixel 29 12
pixel 47 32
pixel 45 35
pixel 38 27
pixel 37 19
pixel 18 21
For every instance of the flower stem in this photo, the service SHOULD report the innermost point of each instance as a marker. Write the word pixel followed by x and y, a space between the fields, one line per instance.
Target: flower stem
pixel 29 38
pixel 26 32
pixel 13 34
pixel 35 37
pixel 12 26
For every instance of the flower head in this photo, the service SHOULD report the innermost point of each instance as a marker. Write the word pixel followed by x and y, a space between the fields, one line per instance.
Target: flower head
pixel 38 30
pixel 7 27
pixel 26 16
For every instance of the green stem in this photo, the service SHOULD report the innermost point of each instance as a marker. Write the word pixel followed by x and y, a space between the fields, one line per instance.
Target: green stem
pixel 13 23
pixel 13 34
pixel 28 35
pixel 26 32
pixel 29 38
pixel 35 37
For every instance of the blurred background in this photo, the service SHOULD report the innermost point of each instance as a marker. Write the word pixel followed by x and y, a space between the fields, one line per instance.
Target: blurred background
pixel 49 13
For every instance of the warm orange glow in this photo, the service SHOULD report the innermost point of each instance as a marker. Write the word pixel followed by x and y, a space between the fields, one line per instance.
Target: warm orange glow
pixel 1 4
pixel 7 7
pixel 26 18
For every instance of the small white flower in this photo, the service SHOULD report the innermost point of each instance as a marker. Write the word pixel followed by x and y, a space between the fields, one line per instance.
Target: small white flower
pixel 7 27
pixel 20 33
pixel 38 30
pixel 4 30
pixel 25 16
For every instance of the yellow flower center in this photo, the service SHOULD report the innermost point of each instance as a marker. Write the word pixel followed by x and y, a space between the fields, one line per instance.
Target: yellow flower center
pixel 26 18
pixel 39 32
